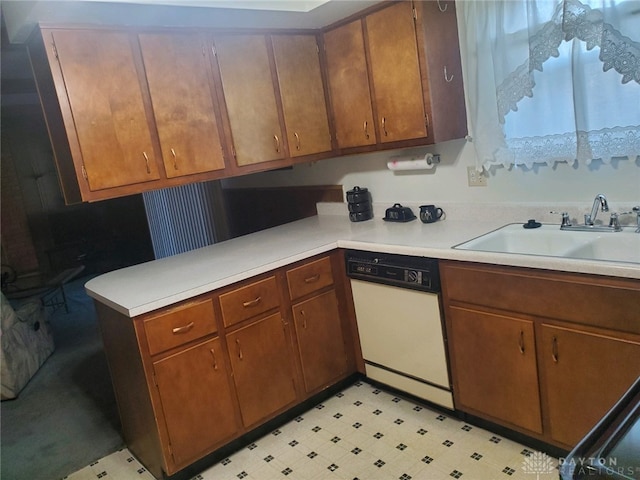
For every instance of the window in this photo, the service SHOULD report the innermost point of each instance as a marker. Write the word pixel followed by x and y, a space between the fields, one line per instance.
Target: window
pixel 550 81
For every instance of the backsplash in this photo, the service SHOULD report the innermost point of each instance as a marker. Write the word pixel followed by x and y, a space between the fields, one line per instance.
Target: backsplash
pixel 508 212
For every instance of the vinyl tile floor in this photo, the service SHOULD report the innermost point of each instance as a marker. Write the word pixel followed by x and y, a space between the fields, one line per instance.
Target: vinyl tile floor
pixel 362 433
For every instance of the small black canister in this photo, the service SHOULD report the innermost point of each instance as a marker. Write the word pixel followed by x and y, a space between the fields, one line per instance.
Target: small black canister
pixel 359 204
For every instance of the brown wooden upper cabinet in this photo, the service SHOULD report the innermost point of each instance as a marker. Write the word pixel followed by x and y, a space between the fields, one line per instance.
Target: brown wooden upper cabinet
pixel 250 97
pixel 395 73
pixel 104 119
pixel 302 92
pixel 349 85
pixel 180 80
pixel 394 76
pixel 130 110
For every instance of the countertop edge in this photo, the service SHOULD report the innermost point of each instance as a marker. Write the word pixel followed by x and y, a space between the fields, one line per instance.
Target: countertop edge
pixel 316 235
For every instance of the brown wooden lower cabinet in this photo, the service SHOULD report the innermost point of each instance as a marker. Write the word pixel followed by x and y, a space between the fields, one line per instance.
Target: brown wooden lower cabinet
pixel 584 374
pixel 544 353
pixel 496 371
pixel 320 340
pixel 191 377
pixel 197 401
pixel 262 366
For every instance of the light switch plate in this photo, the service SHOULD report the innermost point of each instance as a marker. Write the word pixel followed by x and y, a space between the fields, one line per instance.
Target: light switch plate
pixel 476 178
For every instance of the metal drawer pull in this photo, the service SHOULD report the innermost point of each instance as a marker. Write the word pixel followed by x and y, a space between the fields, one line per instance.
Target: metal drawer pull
pixel 295 134
pixel 215 363
pixel 184 328
pixel 384 126
pixel 521 342
pixel 175 164
pixel 146 159
pixel 239 349
pixel 366 129
pixel 312 279
pixel 554 350
pixel 277 143
pixel 252 303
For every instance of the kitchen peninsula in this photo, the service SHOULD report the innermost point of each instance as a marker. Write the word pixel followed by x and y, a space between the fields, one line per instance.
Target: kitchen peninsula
pixel 142 288
pixel 278 301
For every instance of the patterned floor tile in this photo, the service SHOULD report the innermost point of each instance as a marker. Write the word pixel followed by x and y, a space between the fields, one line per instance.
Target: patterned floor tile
pixel 363 433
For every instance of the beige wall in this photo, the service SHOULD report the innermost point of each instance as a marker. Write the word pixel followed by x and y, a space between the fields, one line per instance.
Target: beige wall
pixel 619 181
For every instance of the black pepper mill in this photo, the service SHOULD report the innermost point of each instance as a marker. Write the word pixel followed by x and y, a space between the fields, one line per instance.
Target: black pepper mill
pixel 359 203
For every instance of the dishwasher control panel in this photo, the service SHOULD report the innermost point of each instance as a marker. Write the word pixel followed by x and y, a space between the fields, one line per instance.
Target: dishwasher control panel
pixel 419 273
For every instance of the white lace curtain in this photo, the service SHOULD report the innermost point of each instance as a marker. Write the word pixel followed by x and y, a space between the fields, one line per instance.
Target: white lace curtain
pixel 551 80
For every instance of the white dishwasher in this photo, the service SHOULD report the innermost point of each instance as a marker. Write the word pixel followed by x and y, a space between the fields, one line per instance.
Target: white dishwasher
pixel 397 305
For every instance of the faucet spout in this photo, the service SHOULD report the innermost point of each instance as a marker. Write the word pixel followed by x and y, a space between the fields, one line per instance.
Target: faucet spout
pixel 600 202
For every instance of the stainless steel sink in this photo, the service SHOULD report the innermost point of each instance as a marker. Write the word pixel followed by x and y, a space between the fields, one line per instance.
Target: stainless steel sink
pixel 549 240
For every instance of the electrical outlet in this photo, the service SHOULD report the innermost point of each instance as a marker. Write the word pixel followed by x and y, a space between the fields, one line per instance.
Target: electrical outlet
pixel 476 178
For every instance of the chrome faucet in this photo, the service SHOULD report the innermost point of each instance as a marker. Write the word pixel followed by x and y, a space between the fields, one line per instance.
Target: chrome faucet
pixel 599 202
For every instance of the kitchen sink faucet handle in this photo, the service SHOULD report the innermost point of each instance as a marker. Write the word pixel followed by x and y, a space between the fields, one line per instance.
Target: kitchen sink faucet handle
pixel 636 210
pixel 566 222
pixel 614 221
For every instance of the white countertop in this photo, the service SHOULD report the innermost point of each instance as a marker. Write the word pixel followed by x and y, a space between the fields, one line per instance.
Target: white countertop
pixel 143 288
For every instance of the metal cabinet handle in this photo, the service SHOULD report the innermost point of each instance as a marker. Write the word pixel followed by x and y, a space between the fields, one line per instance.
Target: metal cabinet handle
pixel 447 78
pixel 239 349
pixel 275 137
pixel 312 279
pixel 554 350
pixel 146 159
pixel 366 130
pixel 384 126
pixel 304 319
pixel 183 329
pixel 215 362
pixel 252 303
pixel 295 134
pixel 521 342
pixel 175 160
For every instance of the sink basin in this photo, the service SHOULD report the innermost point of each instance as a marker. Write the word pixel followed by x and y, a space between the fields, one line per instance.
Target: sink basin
pixel 623 248
pixel 549 240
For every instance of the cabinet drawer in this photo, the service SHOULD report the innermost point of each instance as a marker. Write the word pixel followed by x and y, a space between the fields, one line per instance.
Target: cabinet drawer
pixel 179 326
pixel 309 278
pixel 249 301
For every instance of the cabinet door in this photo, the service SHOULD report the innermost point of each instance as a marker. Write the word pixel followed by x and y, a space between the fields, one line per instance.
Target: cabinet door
pixel 320 340
pixel 494 362
pixel 106 102
pixel 349 85
pixel 179 77
pixel 197 401
pixel 584 374
pixel 438 39
pixel 250 98
pixel 262 368
pixel 302 93
pixel 395 70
